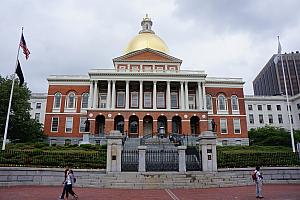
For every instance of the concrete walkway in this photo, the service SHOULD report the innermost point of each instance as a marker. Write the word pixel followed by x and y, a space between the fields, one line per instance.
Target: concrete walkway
pixel 274 192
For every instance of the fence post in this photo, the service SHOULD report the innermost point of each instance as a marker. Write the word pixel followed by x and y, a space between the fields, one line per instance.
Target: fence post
pixel 142 158
pixel 114 151
pixel 207 142
pixel 182 160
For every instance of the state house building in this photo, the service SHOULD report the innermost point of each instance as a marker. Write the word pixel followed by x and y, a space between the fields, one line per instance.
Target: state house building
pixel 146 93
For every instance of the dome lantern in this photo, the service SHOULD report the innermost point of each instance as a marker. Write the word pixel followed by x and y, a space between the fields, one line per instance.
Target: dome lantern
pixel 146 39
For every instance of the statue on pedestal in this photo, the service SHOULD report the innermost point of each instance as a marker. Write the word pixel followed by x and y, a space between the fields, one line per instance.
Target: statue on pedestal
pixel 87 125
pixel 213 125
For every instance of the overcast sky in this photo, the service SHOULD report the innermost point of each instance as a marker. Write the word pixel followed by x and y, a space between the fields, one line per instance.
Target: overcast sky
pixel 226 38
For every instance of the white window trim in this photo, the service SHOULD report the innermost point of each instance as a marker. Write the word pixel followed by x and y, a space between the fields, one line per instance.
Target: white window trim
pixel 80 124
pixel 71 125
pixel 177 100
pixel 100 100
pixel 235 127
pixel 87 101
pixel 194 101
pixel 52 124
pixel 131 99
pixel 164 101
pixel 150 93
pixel 226 126
pixel 123 106
pixel 56 109
pixel 73 109
pixel 235 112
pixel 218 105
pixel 211 109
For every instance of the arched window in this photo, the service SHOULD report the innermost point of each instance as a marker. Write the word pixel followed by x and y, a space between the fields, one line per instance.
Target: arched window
pixel 222 102
pixel 71 98
pixel 234 103
pixel 84 100
pixel 57 100
pixel 208 102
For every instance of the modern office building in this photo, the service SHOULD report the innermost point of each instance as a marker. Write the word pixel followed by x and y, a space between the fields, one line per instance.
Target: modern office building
pixel 270 81
pixel 146 93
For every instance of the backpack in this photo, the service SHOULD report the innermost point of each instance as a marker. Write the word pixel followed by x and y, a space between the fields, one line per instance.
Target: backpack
pixel 253 175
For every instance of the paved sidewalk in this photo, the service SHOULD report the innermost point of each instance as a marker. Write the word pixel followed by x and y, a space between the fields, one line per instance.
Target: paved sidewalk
pixel 274 192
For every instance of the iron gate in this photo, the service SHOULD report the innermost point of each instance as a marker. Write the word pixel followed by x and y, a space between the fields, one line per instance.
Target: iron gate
pixel 130 160
pixel 162 160
pixel 193 159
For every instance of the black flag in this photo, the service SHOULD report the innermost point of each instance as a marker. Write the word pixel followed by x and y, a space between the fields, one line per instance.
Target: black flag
pixel 20 74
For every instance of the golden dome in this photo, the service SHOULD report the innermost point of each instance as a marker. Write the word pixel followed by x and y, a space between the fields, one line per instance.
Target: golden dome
pixel 146 39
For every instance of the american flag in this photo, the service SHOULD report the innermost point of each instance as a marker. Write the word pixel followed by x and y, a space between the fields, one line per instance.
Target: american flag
pixel 24 47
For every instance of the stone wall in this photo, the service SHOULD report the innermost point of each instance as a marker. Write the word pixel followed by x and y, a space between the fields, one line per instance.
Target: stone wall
pixel 99 178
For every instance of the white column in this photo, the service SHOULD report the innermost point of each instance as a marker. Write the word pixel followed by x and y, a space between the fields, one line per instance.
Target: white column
pixel 90 103
pixel 200 98
pixel 168 95
pixel 113 96
pixel 154 95
pixel 108 98
pixel 95 95
pixel 186 95
pixel 204 96
pixel 127 95
pixel 141 95
pixel 181 95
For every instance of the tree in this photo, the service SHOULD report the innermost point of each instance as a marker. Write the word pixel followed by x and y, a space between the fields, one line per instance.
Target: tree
pixel 21 127
pixel 269 136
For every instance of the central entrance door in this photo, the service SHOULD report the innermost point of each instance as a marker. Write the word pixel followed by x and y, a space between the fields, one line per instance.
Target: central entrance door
pixel 148 125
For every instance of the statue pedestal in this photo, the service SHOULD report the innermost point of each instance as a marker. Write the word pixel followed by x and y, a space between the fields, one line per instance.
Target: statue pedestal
pixel 85 138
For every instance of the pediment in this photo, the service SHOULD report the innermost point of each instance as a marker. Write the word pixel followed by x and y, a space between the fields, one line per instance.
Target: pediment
pixel 147 55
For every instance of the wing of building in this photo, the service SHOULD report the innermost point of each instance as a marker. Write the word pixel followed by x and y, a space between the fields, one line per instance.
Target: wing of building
pixel 145 93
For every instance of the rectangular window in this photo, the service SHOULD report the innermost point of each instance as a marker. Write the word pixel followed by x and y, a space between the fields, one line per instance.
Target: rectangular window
pixel 37 116
pixel 192 101
pixel 280 119
pixel 251 119
pixel 160 99
pixel 120 99
pixel 237 126
pixel 54 124
pixel 298 106
pixel 102 100
pixel 250 107
pixel 38 105
pixel 69 124
pixel 292 119
pixel 147 100
pixel 269 107
pixel 174 100
pixel 208 102
pixel 261 119
pixel 270 119
pixel 259 107
pixel 223 125
pixel 82 124
pixel 134 100
pixel 278 107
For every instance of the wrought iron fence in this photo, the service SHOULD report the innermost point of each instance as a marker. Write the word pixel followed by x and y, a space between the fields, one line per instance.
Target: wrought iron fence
pixel 193 159
pixel 39 158
pixel 130 160
pixel 269 159
pixel 162 160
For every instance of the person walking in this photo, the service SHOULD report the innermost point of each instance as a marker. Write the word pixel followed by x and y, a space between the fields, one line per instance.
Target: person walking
pixel 70 180
pixel 257 177
pixel 62 196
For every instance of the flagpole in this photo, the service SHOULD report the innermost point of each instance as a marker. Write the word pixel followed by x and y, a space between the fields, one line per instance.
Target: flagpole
pixel 10 98
pixel 287 102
